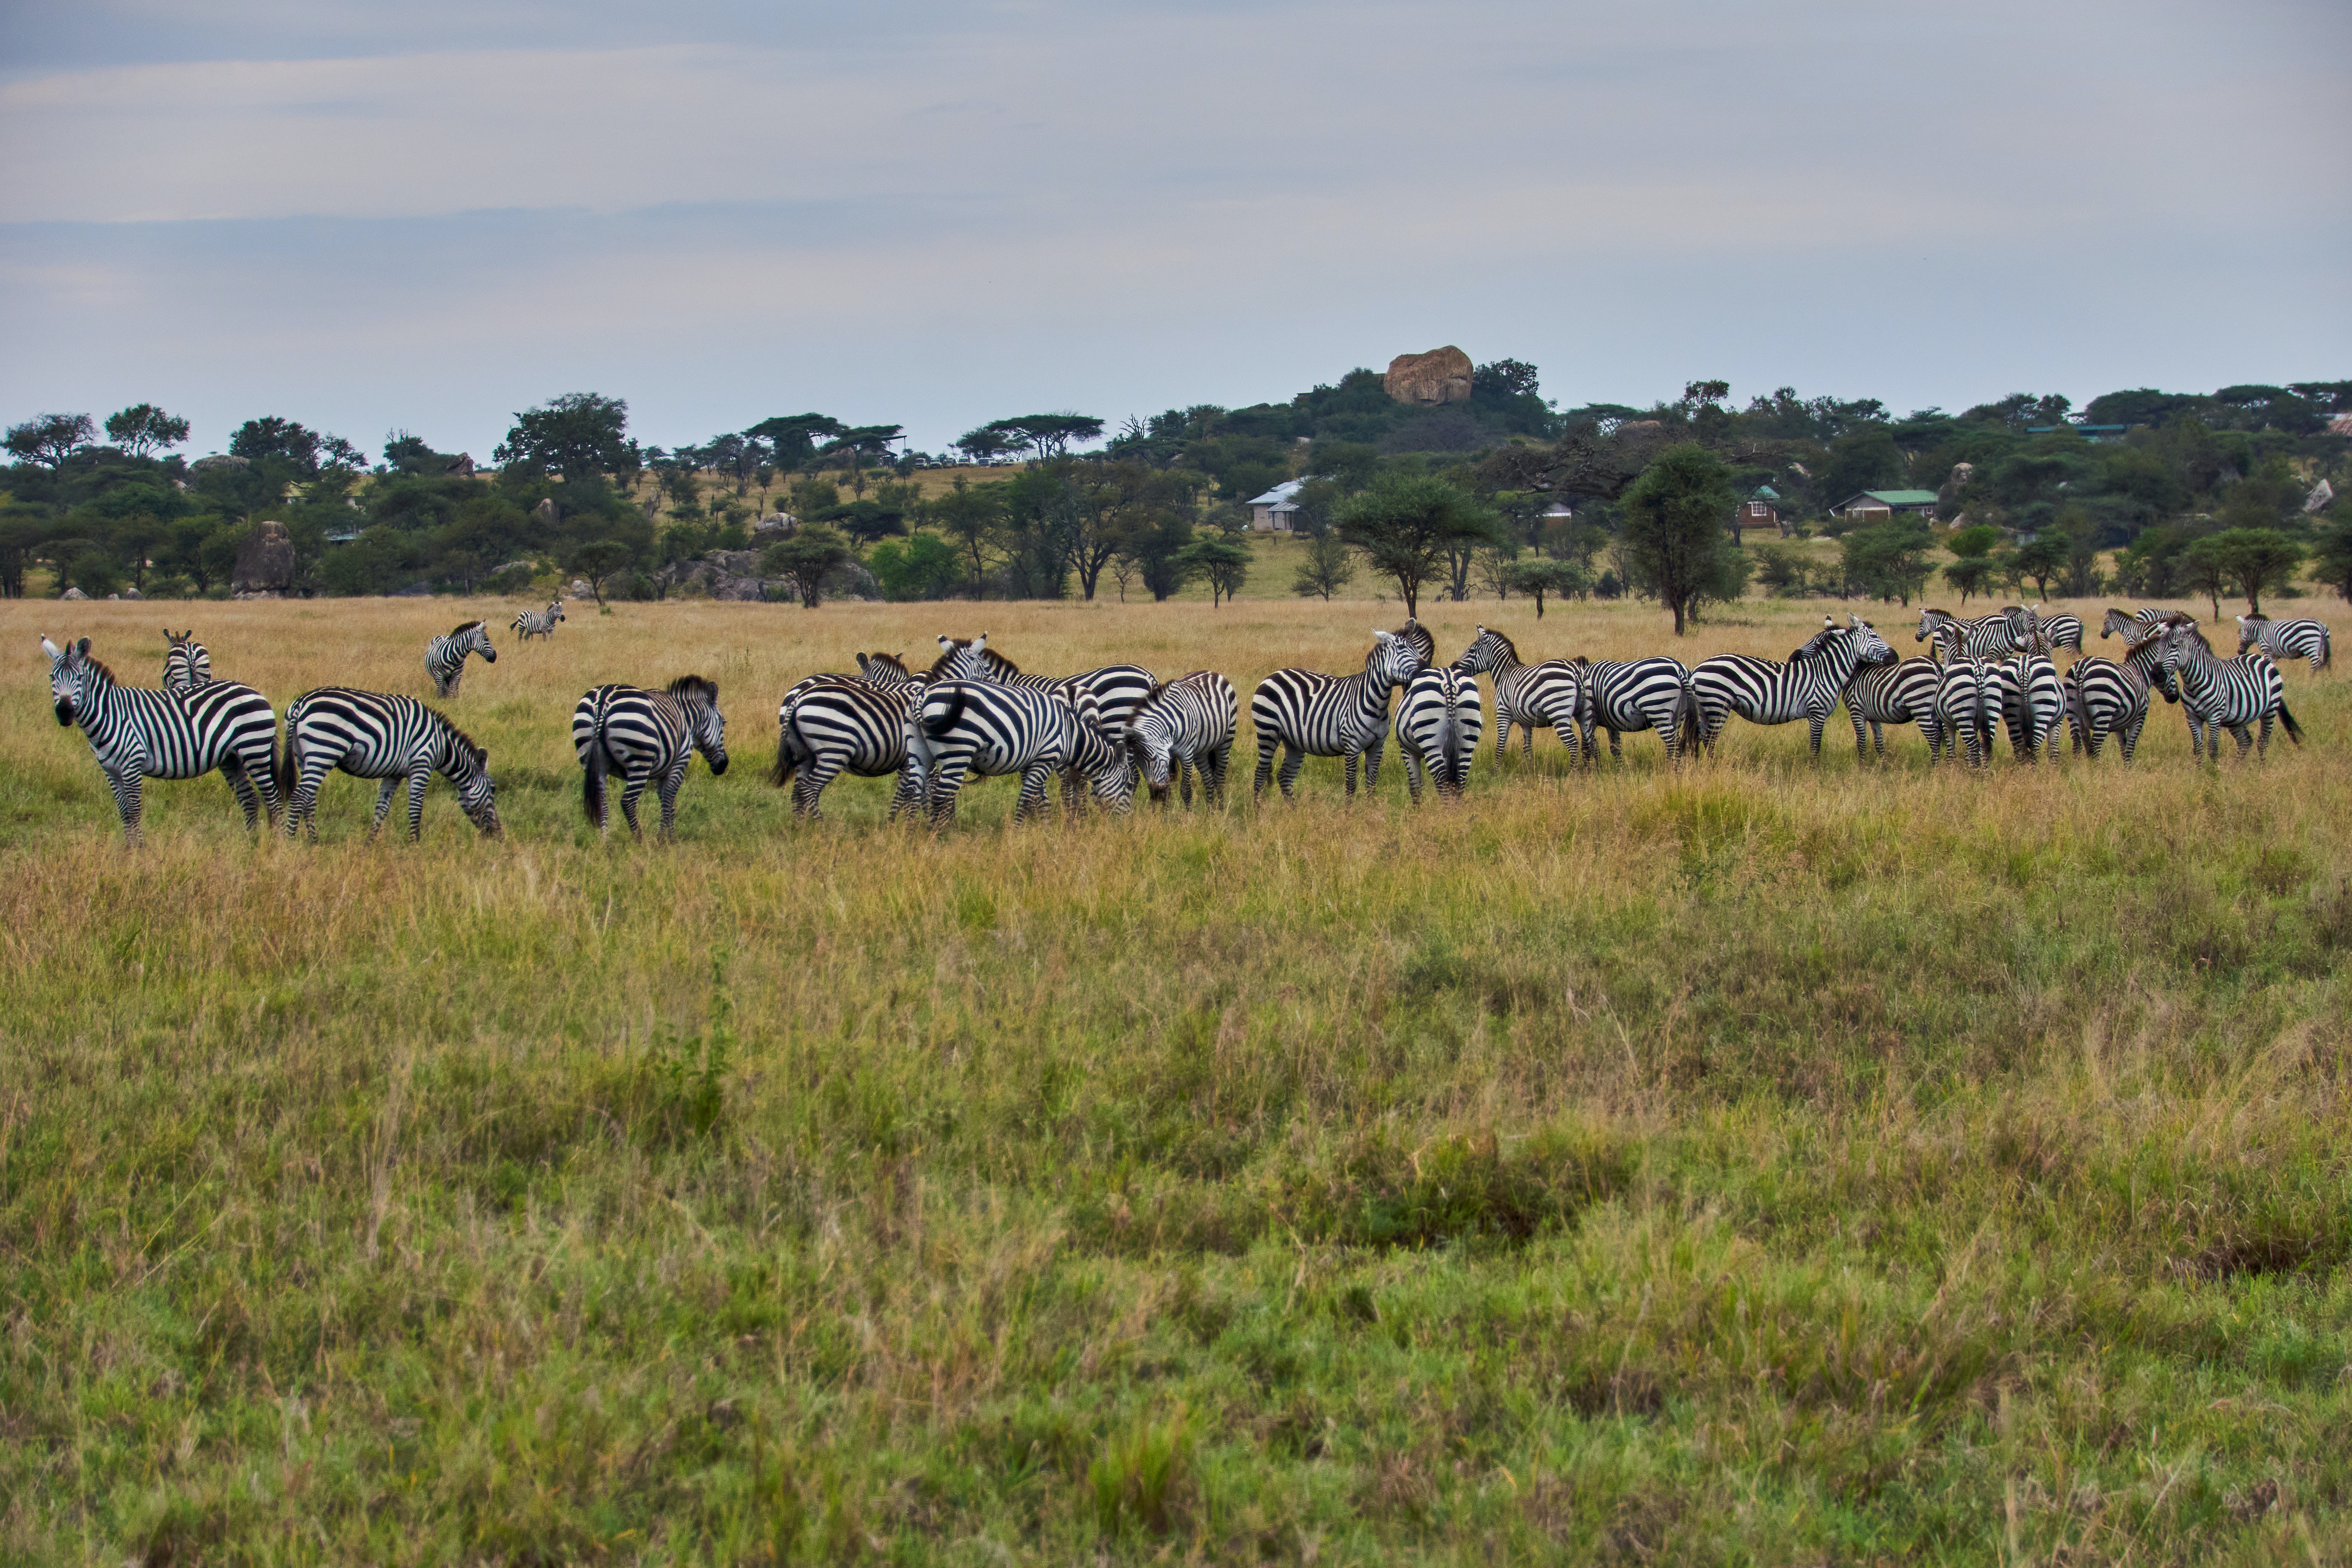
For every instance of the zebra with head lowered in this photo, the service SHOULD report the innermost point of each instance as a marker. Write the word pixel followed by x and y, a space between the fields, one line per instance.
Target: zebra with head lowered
pixel 647 737
pixel 445 656
pixel 1310 714
pixel 1547 696
pixel 2103 699
pixel 1118 690
pixel 985 728
pixel 829 724
pixel 1183 728
pixel 1621 697
pixel 2224 694
pixel 377 735
pixel 187 663
pixel 2284 640
pixel 1995 636
pixel 137 734
pixel 540 623
pixel 1807 687
pixel 1437 729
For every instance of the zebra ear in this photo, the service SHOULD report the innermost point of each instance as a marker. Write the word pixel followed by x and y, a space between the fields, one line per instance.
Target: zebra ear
pixel 946 642
pixel 1380 636
pixel 52 650
pixel 980 643
pixel 82 647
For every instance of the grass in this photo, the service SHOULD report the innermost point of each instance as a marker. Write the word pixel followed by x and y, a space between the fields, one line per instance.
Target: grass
pixel 1756 1163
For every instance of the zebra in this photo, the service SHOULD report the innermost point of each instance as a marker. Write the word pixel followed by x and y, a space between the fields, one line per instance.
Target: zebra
pixel 2032 700
pixel 375 735
pixel 2000 633
pixel 137 734
pixel 986 728
pixel 1437 728
pixel 1621 697
pixel 539 622
pixel 1807 687
pixel 187 663
pixel 827 725
pixel 2285 639
pixel 2134 623
pixel 445 656
pixel 1310 714
pixel 2059 631
pixel 1546 696
pixel 1967 701
pixel 1183 728
pixel 2103 699
pixel 649 737
pixel 2225 694
pixel 1118 688
pixel 1900 693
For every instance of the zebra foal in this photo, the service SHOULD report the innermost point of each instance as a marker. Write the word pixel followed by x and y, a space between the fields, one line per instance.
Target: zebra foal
pixel 647 737
pixel 445 656
pixel 137 734
pixel 378 736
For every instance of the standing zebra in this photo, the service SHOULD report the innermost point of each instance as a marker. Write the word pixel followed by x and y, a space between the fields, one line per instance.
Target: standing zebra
pixel 187 663
pixel 1807 687
pixel 1996 634
pixel 985 728
pixel 137 734
pixel 375 735
pixel 540 623
pixel 1546 696
pixel 2032 700
pixel 1967 701
pixel 445 656
pixel 1118 688
pixel 1902 692
pixel 2225 694
pixel 2103 699
pixel 1183 728
pixel 1310 714
pixel 828 724
pixel 2284 640
pixel 2134 623
pixel 1437 729
pixel 2059 631
pixel 648 737
pixel 1621 697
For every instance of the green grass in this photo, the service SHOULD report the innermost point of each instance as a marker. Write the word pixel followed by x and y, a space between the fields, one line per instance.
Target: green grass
pixel 1760 1163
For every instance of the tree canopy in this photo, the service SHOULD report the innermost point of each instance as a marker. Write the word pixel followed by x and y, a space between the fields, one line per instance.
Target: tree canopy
pixel 574 437
pixel 1674 532
pixel 1407 526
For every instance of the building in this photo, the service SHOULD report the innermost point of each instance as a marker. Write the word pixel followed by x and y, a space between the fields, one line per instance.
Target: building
pixel 1877 506
pixel 1277 510
pixel 1760 509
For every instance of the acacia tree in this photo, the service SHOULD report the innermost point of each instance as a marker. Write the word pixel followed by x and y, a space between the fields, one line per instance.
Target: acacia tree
pixel 1408 525
pixel 970 519
pixel 2249 560
pixel 142 428
pixel 573 437
pixel 1048 435
pixel 49 440
pixel 1326 569
pixel 597 561
pixel 1224 562
pixel 803 560
pixel 1538 577
pixel 1674 537
pixel 792 438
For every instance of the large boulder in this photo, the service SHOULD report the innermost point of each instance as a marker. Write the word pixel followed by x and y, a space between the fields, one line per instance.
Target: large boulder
pixel 265 563
pixel 1440 376
pixel 73 593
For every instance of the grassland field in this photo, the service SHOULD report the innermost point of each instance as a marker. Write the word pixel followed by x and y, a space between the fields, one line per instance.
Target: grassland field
pixel 1752 1162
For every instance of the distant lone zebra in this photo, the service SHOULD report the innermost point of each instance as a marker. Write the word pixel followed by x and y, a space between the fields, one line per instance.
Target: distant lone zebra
pixel 540 623
pixel 2284 640
pixel 137 734
pixel 1437 729
pixel 187 663
pixel 445 656
pixel 377 735
pixel 647 737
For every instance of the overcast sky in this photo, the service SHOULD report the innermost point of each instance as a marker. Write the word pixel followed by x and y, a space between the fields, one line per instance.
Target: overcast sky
pixel 430 216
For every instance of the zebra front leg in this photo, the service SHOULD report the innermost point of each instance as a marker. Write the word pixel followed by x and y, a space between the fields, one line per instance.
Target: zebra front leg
pixel 1347 766
pixel 1265 743
pixel 1503 734
pixel 383 804
pixel 1372 762
pixel 416 782
pixel 1034 780
pixel 1212 781
pixel 2245 740
pixel 126 786
pixel 1293 759
pixel 1820 721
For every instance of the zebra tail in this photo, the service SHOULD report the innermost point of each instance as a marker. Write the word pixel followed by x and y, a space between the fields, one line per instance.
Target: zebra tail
pixel 788 760
pixel 938 725
pixel 2294 730
pixel 287 764
pixel 592 783
pixel 1689 723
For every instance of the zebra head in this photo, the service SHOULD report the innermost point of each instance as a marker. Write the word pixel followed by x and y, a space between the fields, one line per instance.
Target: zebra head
pixel 2250 631
pixel 962 658
pixel 887 670
pixel 70 676
pixel 469 770
pixel 2120 621
pixel 1929 620
pixel 478 639
pixel 697 698
pixel 1487 652
pixel 1868 646
pixel 1394 659
pixel 1097 754
pixel 555 609
pixel 1150 752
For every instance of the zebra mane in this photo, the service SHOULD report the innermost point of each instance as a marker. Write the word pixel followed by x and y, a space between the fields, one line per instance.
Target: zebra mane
pixel 889 661
pixel 462 627
pixel 463 739
pixel 996 663
pixel 695 686
pixel 1509 645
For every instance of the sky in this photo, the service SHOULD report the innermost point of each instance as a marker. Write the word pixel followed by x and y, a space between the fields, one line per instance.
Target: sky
pixel 428 216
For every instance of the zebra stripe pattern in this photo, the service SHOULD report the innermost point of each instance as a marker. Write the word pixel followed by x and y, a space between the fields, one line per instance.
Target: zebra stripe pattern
pixel 1994 634
pixel 1968 703
pixel 2134 623
pixel 1310 714
pixel 2284 640
pixel 540 623
pixel 376 735
pixel 827 725
pixel 1896 693
pixel 187 663
pixel 2032 702
pixel 137 734
pixel 2103 699
pixel 1118 688
pixel 986 729
pixel 1807 687
pixel 1184 728
pixel 2059 631
pixel 445 656
pixel 647 737
pixel 1437 729
pixel 1546 696
pixel 2225 694
pixel 1623 696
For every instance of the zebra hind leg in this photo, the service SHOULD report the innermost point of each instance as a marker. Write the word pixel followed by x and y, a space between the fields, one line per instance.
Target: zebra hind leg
pixel 1293 759
pixel 637 776
pixel 1265 745
pixel 667 789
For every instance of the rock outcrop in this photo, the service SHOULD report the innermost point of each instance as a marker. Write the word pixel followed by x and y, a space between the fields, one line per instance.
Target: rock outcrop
pixel 1440 376
pixel 265 563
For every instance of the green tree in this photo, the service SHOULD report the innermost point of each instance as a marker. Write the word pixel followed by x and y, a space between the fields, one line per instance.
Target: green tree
pixel 2251 560
pixel 2043 559
pixel 1887 560
pixel 925 567
pixel 2200 568
pixel 598 560
pixel 2332 549
pixel 792 437
pixel 803 560
pixel 1407 526
pixel 1048 435
pixel 270 439
pixel 1537 577
pixel 1781 568
pixel 1674 537
pixel 1224 562
pixel 142 428
pixel 574 437
pixel 49 440
pixel 1970 574
pixel 970 518
pixel 1973 543
pixel 1328 568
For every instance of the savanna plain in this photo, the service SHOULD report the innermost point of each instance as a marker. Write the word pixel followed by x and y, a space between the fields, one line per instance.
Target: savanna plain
pixel 1752 1162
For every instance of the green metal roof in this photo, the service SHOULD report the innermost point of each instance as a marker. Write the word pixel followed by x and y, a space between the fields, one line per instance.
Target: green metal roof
pixel 1903 498
pixel 1766 492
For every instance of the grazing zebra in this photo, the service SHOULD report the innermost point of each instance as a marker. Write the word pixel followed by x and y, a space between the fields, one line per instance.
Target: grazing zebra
pixel 1310 714
pixel 2033 702
pixel 1437 728
pixel 2225 694
pixel 1967 701
pixel 1546 696
pixel 2059 631
pixel 2000 633
pixel 827 725
pixel 1807 687
pixel 374 735
pixel 2134 623
pixel 1902 692
pixel 540 623
pixel 1640 694
pixel 187 663
pixel 648 737
pixel 137 734
pixel 445 656
pixel 986 728
pixel 2103 699
pixel 1183 728
pixel 2284 640
pixel 1118 688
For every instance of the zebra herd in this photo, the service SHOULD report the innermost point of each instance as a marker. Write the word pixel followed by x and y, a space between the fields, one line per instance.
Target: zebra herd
pixel 1111 731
